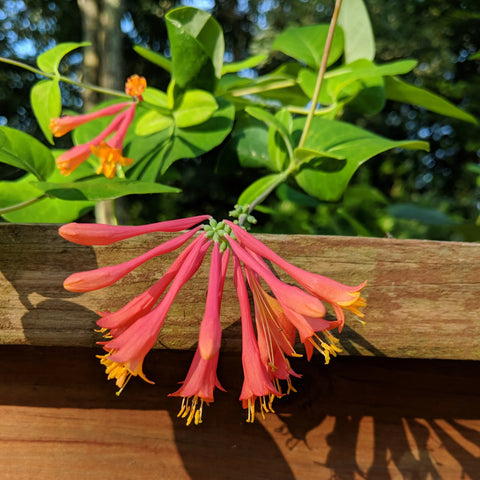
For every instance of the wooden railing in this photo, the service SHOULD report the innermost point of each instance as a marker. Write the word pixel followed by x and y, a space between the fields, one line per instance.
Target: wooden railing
pixel 402 401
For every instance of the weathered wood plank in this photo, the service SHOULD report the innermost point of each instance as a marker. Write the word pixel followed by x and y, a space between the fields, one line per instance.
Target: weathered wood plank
pixel 423 296
pixel 357 418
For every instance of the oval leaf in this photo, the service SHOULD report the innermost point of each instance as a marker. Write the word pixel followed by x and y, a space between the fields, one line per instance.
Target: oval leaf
pixel 194 107
pixel 46 101
pixel 23 151
pixel 359 38
pixel 197 45
pixel 50 60
pixel 343 140
pixel 100 188
pixel 152 122
pixel 306 44
pixel 260 187
pixel 403 92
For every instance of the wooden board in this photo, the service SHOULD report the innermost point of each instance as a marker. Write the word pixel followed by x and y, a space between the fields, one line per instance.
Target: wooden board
pixel 357 418
pixel 423 296
pixel 402 403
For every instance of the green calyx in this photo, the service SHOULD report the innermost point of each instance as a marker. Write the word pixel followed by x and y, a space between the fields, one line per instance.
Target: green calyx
pixel 242 215
pixel 216 231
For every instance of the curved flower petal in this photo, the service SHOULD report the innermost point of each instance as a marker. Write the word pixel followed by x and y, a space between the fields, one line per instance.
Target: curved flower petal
pixel 105 276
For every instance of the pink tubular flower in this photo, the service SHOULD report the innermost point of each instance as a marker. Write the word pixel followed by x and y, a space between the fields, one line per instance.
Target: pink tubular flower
pixel 336 294
pixel 105 276
pixel 126 352
pixel 201 378
pixel 108 151
pixel 100 234
pixel 257 383
pixel 283 313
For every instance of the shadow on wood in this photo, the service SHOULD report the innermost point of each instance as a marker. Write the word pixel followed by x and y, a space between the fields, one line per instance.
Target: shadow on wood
pixel 372 418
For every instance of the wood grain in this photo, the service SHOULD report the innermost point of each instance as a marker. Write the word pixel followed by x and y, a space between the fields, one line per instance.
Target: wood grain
pixel 357 418
pixel 423 296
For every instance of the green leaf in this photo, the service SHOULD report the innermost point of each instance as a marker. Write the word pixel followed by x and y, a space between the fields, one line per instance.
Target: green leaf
pixel 275 122
pixel 101 188
pixel 277 148
pixel 249 141
pixel 359 38
pixel 154 57
pixel 304 156
pixel 250 62
pixel 153 122
pixel 50 60
pixel 45 210
pixel 188 142
pixel 306 44
pixel 260 187
pixel 46 101
pixel 23 151
pixel 197 45
pixel 194 107
pixel 343 140
pixel 156 97
pixel 403 92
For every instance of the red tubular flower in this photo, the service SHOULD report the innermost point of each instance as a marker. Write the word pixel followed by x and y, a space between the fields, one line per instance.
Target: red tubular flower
pixel 201 380
pixel 100 234
pixel 280 315
pixel 108 151
pixel 257 383
pixel 336 294
pixel 120 320
pixel 288 295
pixel 126 352
pixel 105 276
pixel 62 125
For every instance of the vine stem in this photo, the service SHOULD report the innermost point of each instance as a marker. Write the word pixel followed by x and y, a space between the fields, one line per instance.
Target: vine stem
pixel 321 73
pixel 25 66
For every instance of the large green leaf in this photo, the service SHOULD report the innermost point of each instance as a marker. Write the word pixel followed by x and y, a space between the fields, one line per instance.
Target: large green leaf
pixel 23 151
pixel 189 142
pixel 194 107
pixel 45 210
pixel 354 144
pixel 50 60
pixel 197 45
pixel 153 122
pixel 46 101
pixel 154 57
pixel 101 188
pixel 306 44
pixel 400 91
pixel 359 38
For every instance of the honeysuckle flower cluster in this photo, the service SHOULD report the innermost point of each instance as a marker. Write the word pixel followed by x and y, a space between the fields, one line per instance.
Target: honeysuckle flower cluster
pixel 280 315
pixel 108 150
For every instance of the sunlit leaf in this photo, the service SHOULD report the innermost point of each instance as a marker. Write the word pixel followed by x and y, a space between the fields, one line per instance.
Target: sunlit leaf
pixel 359 38
pixel 152 122
pixel 194 107
pixel 306 44
pixel 343 140
pixel 49 61
pixel 46 101
pixel 25 152
pixel 260 187
pixel 197 45
pixel 401 91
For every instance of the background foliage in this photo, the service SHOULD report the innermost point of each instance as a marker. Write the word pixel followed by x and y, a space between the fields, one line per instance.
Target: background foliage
pixel 410 193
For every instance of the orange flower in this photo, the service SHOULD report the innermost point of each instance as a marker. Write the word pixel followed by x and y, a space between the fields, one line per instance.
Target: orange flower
pixel 109 151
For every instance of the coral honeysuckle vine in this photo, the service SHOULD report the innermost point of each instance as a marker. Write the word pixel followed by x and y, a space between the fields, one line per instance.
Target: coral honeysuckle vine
pixel 287 124
pixel 280 314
